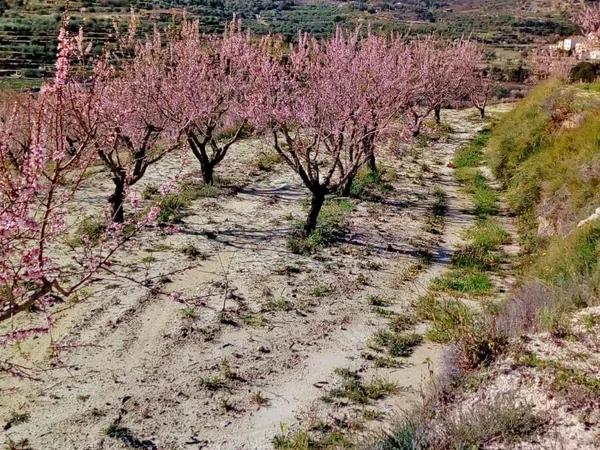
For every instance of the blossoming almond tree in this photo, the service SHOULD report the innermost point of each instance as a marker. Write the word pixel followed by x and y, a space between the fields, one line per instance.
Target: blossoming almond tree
pixel 548 63
pixel 440 65
pixel 135 130
pixel 315 100
pixel 42 167
pixel 588 19
pixel 43 164
pixel 211 87
pixel 46 148
pixel 476 84
pixel 387 82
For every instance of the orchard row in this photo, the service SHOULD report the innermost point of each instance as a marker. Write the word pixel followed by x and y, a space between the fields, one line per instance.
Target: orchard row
pixel 326 106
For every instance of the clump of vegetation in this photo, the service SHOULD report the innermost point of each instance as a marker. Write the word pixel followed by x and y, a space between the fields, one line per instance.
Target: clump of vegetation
pixel 467 161
pixel 16 418
pixel 331 226
pixel 488 234
pixel 475 258
pixel 322 290
pixel 448 317
pixel 398 344
pixel 276 304
pixel 298 440
pixel 89 230
pixel 475 335
pixel 126 436
pixel 471 155
pixel 254 320
pixel 267 160
pixel 213 383
pixel 499 420
pixel 565 378
pixel 150 191
pixel 440 205
pixel 303 440
pixel 193 252
pixel 482 253
pixel 476 184
pixel 376 300
pixel 412 271
pixel 402 322
pixel 358 391
pixel 175 205
pixel 259 399
pixel 21 444
pixel 435 220
pixel 371 185
pixel 189 313
pixel 463 281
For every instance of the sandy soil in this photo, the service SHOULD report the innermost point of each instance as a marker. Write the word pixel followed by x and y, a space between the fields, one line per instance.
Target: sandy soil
pixel 136 361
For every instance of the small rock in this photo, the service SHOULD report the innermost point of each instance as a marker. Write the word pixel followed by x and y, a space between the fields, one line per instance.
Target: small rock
pixel 264 349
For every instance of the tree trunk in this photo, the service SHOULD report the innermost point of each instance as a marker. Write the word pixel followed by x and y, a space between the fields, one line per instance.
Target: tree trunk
pixel 208 173
pixel 418 121
pixel 438 114
pixel 199 150
pixel 117 199
pixel 372 162
pixel 346 188
pixel 318 198
pixel 481 111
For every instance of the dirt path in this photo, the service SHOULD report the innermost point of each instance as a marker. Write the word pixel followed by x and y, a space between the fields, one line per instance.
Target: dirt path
pixel 141 371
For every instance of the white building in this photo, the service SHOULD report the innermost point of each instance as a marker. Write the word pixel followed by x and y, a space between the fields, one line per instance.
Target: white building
pixel 582 47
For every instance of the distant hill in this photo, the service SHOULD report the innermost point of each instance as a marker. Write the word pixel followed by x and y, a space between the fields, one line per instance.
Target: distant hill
pixel 28 27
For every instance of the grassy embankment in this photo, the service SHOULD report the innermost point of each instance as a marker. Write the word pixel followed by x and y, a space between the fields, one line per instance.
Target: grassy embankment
pixel 546 156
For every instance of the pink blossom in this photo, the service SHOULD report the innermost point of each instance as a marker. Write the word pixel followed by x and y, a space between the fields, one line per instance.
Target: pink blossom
pixel 135 199
pixel 153 214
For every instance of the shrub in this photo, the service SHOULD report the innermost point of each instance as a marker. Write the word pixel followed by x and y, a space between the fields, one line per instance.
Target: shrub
pixel 370 185
pixel 500 419
pixel 397 343
pixel 89 229
pixel 471 154
pixel 585 72
pixel 488 234
pixel 476 337
pixel 267 160
pixel 463 281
